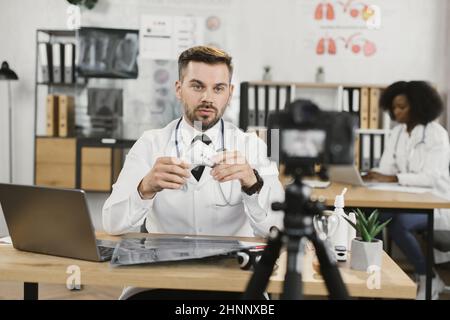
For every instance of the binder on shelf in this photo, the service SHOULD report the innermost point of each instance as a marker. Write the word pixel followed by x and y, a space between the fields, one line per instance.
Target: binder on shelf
pixel 66 108
pixel 339 98
pixel 387 123
pixel 45 60
pixel 69 63
pixel 58 62
pixel 374 109
pixel 261 115
pixel 364 108
pixel 365 146
pixel 251 107
pixel 52 115
pixel 346 100
pixel 357 152
pixel 377 149
pixel 355 100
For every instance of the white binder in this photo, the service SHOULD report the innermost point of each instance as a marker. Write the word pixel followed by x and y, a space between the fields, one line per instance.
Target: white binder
pixel 355 100
pixel 346 100
pixel 365 165
pixel 45 72
pixel 69 61
pixel 377 149
pixel 57 70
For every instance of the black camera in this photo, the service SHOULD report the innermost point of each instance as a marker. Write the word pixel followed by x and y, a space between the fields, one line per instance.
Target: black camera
pixel 309 136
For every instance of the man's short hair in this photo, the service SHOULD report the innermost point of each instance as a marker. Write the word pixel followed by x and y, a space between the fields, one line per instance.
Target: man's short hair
pixel 209 55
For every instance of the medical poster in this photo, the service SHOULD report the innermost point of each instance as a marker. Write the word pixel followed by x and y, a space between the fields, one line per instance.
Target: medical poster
pixel 156 37
pixel 165 37
pixel 343 28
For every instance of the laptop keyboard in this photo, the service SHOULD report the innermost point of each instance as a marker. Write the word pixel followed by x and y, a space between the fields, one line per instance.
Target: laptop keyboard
pixel 105 252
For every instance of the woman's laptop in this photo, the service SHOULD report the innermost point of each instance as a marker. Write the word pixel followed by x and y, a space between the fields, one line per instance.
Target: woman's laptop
pixel 347 174
pixel 51 221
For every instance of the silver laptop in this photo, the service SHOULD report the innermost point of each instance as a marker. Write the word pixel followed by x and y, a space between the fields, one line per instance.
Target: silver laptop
pixel 51 221
pixel 346 174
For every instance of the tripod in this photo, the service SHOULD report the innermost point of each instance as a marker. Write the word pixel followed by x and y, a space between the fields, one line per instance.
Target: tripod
pixel 298 225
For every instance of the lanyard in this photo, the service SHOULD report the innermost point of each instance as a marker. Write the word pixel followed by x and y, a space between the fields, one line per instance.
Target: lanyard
pixel 177 143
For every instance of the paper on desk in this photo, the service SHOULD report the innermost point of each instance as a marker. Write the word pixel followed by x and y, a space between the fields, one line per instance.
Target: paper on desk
pixel 316 183
pixel 250 244
pixel 397 187
pixel 5 240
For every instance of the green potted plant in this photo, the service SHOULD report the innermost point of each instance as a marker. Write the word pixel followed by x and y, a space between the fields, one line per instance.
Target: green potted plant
pixel 366 250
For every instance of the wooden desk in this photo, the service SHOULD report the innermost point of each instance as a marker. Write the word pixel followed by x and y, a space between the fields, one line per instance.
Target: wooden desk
pixel 389 201
pixel 367 198
pixel 222 275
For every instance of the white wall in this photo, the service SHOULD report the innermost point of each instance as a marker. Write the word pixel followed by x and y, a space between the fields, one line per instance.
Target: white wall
pixel 18 23
pixel 411 44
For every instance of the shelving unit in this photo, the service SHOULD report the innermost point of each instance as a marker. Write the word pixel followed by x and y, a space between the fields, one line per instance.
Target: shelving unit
pixel 258 98
pixel 77 161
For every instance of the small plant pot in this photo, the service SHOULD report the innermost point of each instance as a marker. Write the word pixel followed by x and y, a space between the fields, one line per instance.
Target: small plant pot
pixel 365 254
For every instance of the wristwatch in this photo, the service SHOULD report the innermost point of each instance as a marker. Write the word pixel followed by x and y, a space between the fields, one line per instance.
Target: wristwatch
pixel 256 187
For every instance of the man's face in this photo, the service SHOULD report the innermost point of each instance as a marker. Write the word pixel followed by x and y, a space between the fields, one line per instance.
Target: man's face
pixel 204 91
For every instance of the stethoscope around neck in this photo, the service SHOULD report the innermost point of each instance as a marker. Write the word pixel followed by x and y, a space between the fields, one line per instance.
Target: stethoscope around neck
pixel 222 130
pixel 411 151
pixel 177 145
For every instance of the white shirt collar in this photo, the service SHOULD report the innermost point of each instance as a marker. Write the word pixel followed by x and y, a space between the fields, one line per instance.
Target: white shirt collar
pixel 416 134
pixel 188 133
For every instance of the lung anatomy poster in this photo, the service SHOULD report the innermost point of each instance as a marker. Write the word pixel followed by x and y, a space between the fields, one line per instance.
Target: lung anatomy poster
pixel 343 28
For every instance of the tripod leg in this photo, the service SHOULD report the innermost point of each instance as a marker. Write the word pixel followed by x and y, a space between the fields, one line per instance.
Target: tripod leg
pixel 293 287
pixel 264 268
pixel 333 280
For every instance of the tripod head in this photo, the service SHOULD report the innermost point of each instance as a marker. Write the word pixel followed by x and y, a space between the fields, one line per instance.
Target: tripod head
pixel 298 208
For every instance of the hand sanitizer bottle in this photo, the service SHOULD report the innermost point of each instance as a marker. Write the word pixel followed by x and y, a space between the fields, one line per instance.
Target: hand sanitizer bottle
pixel 340 238
pixel 351 230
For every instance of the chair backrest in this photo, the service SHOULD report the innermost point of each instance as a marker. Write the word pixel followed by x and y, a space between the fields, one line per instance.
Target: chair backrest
pixel 442 240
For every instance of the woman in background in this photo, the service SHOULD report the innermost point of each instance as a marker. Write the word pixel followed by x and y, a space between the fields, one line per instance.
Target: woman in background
pixel 417 154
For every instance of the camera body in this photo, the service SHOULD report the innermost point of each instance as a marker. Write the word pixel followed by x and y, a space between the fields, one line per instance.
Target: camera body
pixel 309 136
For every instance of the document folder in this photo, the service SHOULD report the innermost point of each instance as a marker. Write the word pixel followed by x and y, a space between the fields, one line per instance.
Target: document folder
pixel 45 58
pixel 58 62
pixel 69 63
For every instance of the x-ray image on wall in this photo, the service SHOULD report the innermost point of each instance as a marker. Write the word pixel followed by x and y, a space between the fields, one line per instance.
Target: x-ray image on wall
pixel 105 102
pixel 105 108
pixel 108 53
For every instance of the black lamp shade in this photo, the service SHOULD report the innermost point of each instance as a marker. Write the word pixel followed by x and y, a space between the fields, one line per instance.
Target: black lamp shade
pixel 6 73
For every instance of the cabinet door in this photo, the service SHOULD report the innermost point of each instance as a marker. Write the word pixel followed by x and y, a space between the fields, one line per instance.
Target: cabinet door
pixel 96 169
pixel 96 166
pixel 55 162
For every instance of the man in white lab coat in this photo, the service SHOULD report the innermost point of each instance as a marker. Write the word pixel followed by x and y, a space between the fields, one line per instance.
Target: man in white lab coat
pixel 161 182
pixel 156 183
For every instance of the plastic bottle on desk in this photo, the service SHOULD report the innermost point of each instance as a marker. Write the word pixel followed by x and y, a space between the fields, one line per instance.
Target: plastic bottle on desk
pixel 351 230
pixel 340 238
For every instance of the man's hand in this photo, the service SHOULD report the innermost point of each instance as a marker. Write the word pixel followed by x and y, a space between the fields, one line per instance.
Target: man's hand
pixel 167 173
pixel 231 165
pixel 375 176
